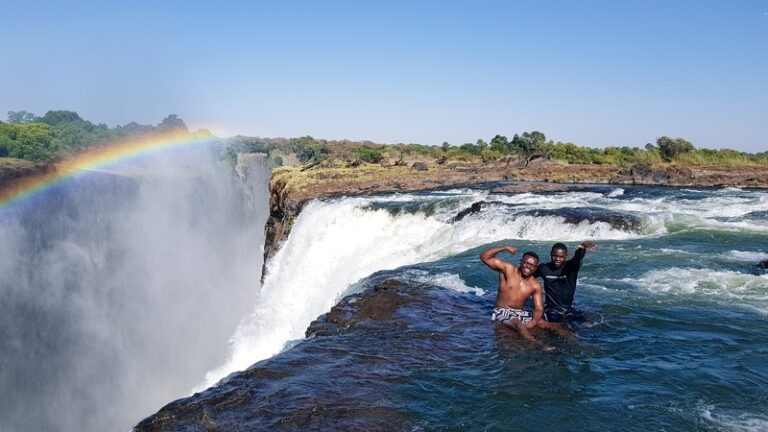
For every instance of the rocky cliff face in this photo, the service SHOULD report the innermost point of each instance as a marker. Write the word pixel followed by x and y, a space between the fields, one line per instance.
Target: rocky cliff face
pixel 13 169
pixel 283 210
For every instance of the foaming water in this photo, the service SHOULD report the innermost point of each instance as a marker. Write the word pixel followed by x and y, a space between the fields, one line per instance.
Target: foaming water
pixel 712 210
pixel 450 281
pixel 734 421
pixel 119 289
pixel 332 245
pixel 709 285
pixel 674 334
pixel 749 256
pixel 335 243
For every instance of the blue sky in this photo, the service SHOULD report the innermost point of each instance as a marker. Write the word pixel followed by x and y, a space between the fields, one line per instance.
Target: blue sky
pixel 596 73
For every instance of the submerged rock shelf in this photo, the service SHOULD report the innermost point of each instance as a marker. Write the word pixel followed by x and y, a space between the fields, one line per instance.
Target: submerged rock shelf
pixel 354 372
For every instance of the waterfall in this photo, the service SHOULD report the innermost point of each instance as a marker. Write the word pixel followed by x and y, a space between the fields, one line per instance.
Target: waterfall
pixel 119 289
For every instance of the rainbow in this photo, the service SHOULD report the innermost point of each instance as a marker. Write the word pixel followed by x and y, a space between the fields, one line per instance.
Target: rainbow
pixel 97 158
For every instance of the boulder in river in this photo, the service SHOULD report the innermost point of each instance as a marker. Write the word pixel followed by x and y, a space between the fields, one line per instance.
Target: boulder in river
pixel 576 215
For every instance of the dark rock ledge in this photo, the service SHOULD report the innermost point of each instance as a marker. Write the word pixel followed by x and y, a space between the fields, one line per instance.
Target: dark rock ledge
pixel 349 374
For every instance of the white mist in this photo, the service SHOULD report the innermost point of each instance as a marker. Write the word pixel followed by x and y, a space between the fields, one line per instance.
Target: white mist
pixel 118 293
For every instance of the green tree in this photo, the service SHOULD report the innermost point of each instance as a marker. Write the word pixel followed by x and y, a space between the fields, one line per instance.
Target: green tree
pixel 671 148
pixel 56 118
pixel 243 144
pixel 61 132
pixel 368 154
pixel 30 141
pixel 18 117
pixel 172 123
pixel 132 129
pixel 471 148
pixel 313 153
pixel 527 143
pixel 295 145
pixel 567 152
pixel 500 144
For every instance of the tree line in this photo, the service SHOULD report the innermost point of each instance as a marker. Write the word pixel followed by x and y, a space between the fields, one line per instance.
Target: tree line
pixel 524 145
pixel 665 149
pixel 60 133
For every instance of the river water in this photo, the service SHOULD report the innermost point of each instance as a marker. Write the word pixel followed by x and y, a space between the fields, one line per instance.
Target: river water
pixel 676 336
pixel 121 293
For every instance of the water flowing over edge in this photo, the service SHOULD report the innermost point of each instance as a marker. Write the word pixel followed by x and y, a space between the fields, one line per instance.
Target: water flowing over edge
pixel 336 242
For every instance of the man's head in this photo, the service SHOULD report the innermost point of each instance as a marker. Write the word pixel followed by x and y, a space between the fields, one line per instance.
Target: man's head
pixel 559 254
pixel 528 264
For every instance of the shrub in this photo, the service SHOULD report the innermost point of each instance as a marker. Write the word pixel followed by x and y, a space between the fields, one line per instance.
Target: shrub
pixel 368 154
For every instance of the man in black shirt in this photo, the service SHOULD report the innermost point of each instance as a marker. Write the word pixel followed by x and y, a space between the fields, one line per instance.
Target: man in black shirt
pixel 560 282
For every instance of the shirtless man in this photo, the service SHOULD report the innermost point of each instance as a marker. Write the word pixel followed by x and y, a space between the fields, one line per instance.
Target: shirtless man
pixel 516 285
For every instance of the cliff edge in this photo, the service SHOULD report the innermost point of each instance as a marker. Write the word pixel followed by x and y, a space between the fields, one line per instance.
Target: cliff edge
pixel 291 187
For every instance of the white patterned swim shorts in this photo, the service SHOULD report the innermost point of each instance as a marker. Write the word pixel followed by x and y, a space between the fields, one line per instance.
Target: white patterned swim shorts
pixel 504 314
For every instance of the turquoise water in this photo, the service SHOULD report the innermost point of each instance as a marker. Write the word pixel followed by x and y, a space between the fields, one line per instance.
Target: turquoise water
pixel 677 339
pixel 676 336
pixel 106 299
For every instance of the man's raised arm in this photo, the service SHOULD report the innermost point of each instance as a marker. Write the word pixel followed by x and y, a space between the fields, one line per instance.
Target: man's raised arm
pixel 489 257
pixel 581 250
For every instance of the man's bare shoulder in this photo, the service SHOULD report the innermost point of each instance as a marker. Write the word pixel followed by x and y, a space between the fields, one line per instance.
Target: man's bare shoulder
pixel 533 283
pixel 536 284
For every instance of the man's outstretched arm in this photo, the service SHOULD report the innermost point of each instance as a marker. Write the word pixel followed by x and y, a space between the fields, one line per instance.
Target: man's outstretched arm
pixel 489 257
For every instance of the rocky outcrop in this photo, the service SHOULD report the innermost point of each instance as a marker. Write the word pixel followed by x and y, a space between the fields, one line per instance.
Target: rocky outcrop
pixel 673 175
pixel 474 208
pixel 576 215
pixel 338 379
pixel 536 187
pixel 380 304
pixel 643 174
pixel 282 213
pixel 12 170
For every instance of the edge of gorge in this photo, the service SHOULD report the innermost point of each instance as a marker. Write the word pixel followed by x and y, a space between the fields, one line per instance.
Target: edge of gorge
pixel 292 187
